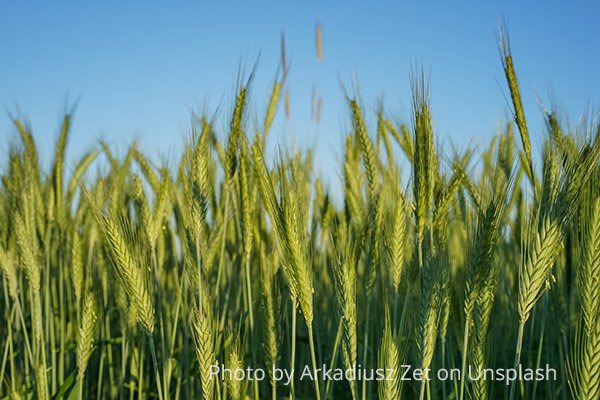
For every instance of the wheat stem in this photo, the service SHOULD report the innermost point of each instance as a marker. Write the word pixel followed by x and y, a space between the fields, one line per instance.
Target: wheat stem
pixel 517 356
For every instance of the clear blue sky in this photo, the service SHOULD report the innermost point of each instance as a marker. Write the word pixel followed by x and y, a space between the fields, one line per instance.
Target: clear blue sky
pixel 139 68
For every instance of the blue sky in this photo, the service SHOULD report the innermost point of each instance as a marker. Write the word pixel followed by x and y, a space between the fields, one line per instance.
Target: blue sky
pixel 138 69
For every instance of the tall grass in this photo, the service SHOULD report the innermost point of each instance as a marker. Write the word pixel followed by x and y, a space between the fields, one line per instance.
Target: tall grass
pixel 123 278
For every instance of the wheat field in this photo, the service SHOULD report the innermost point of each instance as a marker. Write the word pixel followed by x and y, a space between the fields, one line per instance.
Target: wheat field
pixel 441 274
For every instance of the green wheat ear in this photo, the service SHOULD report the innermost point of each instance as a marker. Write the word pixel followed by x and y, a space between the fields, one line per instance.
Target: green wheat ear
pixel 589 272
pixel 8 267
pixel 389 361
pixel 396 241
pixel 272 107
pixel 234 361
pixel 425 163
pixel 585 379
pixel 366 147
pixel 203 339
pixel 513 85
pixel 77 267
pixel 126 267
pixel 130 274
pixel 87 328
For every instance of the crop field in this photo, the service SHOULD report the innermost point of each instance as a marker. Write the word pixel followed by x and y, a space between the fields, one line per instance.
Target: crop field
pixel 233 274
